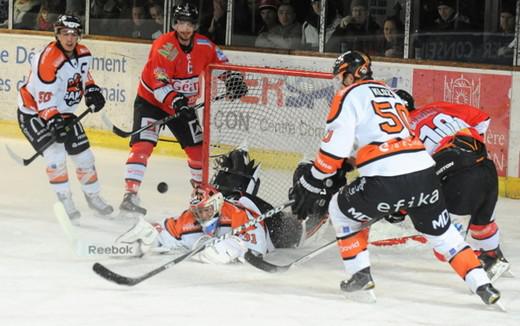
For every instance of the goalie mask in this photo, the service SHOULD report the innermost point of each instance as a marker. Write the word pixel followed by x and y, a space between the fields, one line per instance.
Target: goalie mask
pixel 206 203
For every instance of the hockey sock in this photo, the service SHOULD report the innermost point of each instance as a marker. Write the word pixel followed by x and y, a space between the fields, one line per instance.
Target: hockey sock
pixel 485 237
pixel 136 165
pixel 194 154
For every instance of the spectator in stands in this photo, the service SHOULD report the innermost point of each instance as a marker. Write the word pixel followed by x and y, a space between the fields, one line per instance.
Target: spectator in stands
pixel 268 11
pixel 156 11
pixel 311 26
pixel 356 31
pixel 214 19
pixel 393 37
pixel 24 13
pixel 449 18
pixel 45 20
pixel 140 26
pixel 287 35
pixel 506 34
pixel 4 14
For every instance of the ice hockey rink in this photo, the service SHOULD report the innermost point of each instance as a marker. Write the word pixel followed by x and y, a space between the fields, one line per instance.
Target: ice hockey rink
pixel 44 282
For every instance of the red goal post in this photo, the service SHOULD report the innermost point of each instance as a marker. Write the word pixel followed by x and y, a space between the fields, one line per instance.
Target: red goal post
pixel 280 121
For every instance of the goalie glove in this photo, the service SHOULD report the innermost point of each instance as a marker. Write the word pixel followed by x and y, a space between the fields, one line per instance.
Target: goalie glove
pixel 235 85
pixel 310 195
pixel 224 251
pixel 143 235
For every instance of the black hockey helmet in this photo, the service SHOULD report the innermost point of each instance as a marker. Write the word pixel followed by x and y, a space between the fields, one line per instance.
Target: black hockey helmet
pixel 186 12
pixel 407 98
pixel 353 62
pixel 67 21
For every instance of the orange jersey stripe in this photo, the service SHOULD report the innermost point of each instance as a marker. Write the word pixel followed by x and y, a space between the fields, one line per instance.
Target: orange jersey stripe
pixel 373 152
pixel 464 262
pixel 327 163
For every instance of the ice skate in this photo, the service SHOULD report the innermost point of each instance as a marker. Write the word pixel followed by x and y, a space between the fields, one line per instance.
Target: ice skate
pixel 494 263
pixel 66 199
pixel 130 206
pixel 360 287
pixel 98 204
pixel 490 295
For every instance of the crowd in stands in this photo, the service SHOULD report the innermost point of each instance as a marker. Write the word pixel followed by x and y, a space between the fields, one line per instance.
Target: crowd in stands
pixel 446 29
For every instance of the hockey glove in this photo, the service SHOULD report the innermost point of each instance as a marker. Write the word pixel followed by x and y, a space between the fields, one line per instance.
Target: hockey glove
pixel 56 126
pixel 180 105
pixel 309 194
pixel 94 98
pixel 396 217
pixel 235 86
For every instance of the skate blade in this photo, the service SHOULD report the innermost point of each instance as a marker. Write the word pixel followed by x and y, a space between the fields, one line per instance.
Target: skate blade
pixel 129 215
pixel 499 306
pixel 363 296
pixel 498 270
pixel 509 274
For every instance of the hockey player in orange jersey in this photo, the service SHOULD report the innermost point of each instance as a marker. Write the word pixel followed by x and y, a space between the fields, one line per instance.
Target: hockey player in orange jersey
pixel 214 212
pixel 454 135
pixel 59 78
pixel 368 122
pixel 170 84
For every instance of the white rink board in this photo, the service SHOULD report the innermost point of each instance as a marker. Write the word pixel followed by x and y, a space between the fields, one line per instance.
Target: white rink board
pixel 119 65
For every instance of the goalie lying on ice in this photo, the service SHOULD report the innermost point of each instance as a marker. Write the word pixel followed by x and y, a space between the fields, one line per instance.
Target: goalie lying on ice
pixel 210 215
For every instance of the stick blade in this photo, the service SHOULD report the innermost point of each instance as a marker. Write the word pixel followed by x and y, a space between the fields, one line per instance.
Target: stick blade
pixel 266 266
pixel 109 275
pixel 13 155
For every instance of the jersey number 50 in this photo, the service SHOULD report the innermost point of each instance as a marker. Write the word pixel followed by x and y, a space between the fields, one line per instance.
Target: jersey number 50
pixel 396 117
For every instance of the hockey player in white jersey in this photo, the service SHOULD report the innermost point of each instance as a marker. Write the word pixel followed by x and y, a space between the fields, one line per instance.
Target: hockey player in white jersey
pixel 58 80
pixel 368 123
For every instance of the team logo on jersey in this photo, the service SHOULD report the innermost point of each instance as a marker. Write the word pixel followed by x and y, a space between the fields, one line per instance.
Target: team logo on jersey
pixel 74 90
pixel 161 75
pixel 168 51
pixel 188 87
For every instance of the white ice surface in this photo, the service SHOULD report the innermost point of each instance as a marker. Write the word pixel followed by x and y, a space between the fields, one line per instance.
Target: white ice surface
pixel 42 282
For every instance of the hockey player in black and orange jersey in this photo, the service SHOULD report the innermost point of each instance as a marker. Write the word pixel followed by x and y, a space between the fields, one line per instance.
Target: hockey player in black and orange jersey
pixel 454 135
pixel 59 79
pixel 368 123
pixel 170 84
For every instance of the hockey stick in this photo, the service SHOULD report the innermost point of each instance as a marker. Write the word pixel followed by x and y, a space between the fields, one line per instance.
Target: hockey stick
pixel 112 276
pixel 126 134
pixel 27 161
pixel 266 266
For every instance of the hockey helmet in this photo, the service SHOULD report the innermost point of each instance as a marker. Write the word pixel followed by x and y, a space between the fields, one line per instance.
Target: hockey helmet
pixel 407 98
pixel 205 204
pixel 185 12
pixel 69 22
pixel 353 62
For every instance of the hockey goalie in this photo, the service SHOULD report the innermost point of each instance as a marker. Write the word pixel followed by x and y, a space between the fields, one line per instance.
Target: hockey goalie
pixel 229 201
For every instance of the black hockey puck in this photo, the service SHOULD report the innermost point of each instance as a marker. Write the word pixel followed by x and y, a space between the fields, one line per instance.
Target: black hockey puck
pixel 162 187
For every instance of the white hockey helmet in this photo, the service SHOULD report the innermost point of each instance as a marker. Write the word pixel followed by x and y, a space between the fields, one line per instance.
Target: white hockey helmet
pixel 206 203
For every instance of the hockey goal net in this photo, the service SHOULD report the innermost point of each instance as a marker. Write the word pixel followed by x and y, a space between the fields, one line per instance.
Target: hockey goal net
pixel 280 121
